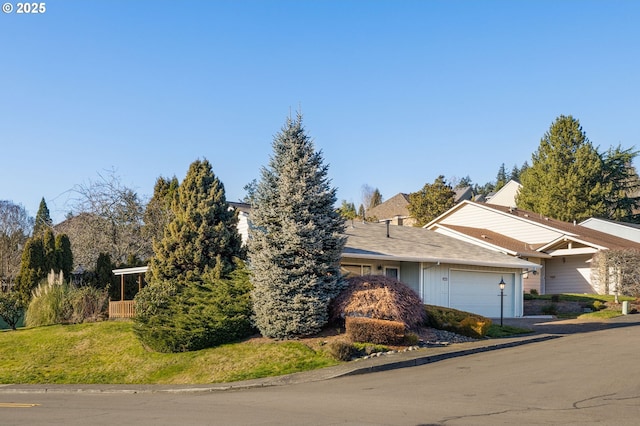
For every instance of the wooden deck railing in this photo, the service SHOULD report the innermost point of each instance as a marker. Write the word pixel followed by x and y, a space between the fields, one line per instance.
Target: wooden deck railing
pixel 122 309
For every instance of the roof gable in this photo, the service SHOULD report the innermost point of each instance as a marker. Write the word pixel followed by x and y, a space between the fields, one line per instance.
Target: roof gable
pixel 527 227
pixel 393 207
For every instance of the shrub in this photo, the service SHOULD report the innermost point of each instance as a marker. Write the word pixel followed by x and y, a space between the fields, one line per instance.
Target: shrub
pixel 555 298
pixel 191 315
pixel 375 331
pixel 533 292
pixel 550 309
pixel 88 304
pixel 411 339
pixel 464 323
pixel 378 297
pixel 598 305
pixel 527 296
pixel 342 350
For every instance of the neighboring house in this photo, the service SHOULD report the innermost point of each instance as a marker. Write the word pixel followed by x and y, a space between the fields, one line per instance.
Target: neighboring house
pixel 564 250
pixel 394 209
pixel 442 270
pixel 628 231
pixel 243 210
pixel 505 196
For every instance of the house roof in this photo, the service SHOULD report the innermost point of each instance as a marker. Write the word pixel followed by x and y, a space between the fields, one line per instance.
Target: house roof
pixel 569 231
pixel 405 243
pixel 394 206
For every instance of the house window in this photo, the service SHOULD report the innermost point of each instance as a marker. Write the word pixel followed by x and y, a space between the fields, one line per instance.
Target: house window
pixel 392 272
pixel 355 270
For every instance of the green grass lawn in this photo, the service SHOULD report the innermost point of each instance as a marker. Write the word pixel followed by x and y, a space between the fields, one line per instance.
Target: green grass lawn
pixel 109 352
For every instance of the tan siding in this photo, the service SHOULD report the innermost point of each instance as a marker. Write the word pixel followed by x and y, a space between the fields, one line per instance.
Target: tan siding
pixel 571 276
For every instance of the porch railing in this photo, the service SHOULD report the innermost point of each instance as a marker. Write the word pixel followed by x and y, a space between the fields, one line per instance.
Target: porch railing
pixel 122 309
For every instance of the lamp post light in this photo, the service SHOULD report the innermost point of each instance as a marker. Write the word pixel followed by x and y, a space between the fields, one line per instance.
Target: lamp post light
pixel 501 284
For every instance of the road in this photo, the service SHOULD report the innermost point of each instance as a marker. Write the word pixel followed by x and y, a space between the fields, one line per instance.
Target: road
pixel 580 379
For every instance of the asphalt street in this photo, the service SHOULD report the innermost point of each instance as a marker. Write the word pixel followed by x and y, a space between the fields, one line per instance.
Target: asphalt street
pixel 588 376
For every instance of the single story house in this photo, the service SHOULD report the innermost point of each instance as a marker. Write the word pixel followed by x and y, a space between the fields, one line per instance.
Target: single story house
pixel 563 250
pixel 442 270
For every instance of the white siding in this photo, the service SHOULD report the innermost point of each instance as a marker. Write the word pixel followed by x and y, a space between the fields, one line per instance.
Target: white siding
pixel 571 274
pixel 478 292
pixel 478 217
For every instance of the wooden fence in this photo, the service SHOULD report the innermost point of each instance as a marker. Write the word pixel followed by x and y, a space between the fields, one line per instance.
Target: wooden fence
pixel 122 309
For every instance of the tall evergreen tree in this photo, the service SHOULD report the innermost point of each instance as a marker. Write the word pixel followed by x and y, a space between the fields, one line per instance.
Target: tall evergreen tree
pixel 295 240
pixel 64 255
pixel 623 200
pixel 203 234
pixel 565 178
pixel 197 295
pixel 32 268
pixel 431 201
pixel 158 213
pixel 49 252
pixel 43 219
pixel 501 178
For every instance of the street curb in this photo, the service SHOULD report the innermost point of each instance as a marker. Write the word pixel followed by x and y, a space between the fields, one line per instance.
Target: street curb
pixel 428 359
pixel 350 369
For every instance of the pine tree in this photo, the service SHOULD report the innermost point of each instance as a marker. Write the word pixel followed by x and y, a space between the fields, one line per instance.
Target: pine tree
pixel 104 274
pixel 295 240
pixel 198 292
pixel 565 180
pixel 49 251
pixel 431 201
pixel 501 178
pixel 43 219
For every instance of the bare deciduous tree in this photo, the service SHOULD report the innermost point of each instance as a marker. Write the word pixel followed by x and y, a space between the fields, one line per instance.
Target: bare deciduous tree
pixel 617 271
pixel 108 218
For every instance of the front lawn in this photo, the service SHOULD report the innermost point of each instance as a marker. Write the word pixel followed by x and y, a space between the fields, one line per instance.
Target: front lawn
pixel 109 352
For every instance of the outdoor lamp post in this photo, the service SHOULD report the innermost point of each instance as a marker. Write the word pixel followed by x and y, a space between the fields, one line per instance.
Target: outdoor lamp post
pixel 501 284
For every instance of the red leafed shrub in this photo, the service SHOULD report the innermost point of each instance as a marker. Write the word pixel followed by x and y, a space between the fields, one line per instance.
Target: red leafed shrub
pixel 379 297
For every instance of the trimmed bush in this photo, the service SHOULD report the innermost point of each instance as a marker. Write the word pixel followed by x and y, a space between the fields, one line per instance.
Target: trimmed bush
pixel 598 305
pixel 533 292
pixel 464 323
pixel 377 331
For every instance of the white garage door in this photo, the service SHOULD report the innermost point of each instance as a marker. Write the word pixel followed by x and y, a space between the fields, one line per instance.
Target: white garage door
pixel 478 292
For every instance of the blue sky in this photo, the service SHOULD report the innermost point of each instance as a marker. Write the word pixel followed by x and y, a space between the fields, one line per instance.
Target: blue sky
pixel 394 93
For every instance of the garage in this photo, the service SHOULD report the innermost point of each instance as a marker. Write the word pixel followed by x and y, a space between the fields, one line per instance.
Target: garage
pixel 478 292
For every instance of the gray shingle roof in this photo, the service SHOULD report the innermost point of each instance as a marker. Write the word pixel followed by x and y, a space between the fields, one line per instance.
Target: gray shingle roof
pixel 369 241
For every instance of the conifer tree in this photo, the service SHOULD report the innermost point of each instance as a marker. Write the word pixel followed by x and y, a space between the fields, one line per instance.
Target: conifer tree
pixel 32 268
pixel 565 179
pixel 43 219
pixel 64 255
pixel 295 239
pixel 158 213
pixel 198 292
pixel 203 234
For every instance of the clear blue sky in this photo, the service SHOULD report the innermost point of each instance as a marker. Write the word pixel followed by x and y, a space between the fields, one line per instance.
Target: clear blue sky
pixel 394 93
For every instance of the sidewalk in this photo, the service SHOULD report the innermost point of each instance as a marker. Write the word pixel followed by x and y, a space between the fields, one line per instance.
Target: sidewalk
pixel 544 329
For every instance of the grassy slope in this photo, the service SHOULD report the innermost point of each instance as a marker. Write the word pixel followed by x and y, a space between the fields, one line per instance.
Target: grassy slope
pixel 109 352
